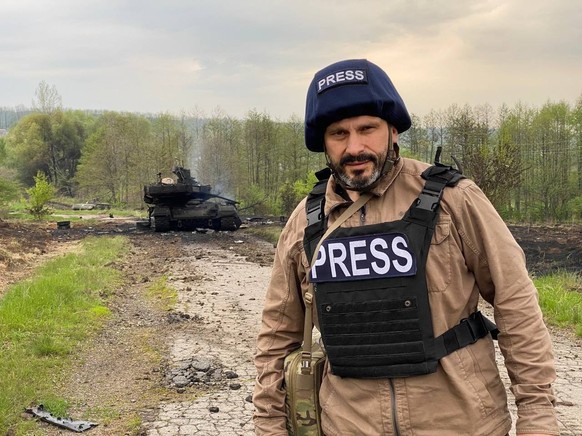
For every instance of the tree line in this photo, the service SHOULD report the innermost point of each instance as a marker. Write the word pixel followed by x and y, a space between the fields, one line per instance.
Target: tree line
pixel 527 160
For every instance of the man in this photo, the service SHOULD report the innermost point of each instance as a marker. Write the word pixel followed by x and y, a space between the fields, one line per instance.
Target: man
pixel 397 286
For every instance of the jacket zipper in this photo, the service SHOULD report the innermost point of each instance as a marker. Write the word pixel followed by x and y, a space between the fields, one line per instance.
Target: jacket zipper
pixel 363 215
pixel 394 411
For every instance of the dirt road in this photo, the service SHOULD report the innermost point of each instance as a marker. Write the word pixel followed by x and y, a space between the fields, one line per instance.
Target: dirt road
pixel 188 370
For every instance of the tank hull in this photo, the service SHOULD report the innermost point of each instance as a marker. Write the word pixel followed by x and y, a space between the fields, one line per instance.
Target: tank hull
pixel 191 217
pixel 187 205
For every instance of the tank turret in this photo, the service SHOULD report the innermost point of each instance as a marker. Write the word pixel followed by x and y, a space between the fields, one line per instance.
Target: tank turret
pixel 186 204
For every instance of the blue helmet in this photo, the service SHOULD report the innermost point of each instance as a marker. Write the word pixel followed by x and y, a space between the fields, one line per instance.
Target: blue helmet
pixel 348 89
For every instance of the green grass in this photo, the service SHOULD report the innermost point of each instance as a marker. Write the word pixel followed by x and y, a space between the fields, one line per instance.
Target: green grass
pixel 19 210
pixel 115 212
pixel 165 296
pixel 268 233
pixel 561 299
pixel 44 320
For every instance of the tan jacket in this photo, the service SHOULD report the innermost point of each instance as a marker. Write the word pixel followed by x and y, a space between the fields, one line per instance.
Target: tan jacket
pixel 472 254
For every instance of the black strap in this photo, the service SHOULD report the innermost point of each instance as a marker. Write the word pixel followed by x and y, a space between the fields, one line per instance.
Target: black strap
pixel 316 198
pixel 437 177
pixel 424 210
pixel 443 174
pixel 430 195
pixel 315 204
pixel 467 332
pixel 316 222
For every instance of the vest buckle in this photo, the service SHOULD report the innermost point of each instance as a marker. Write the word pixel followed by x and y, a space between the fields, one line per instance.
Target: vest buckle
pixel 428 199
pixel 468 325
pixel 315 212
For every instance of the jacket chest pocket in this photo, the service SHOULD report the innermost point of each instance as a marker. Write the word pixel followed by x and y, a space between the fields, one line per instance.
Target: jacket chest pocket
pixel 438 264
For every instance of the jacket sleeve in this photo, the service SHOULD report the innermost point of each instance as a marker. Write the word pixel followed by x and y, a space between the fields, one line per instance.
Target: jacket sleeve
pixel 498 263
pixel 280 333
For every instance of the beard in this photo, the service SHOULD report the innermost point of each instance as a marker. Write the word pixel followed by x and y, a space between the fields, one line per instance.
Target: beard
pixel 357 180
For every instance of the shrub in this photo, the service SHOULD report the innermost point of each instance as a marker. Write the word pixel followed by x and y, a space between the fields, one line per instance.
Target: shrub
pixel 39 195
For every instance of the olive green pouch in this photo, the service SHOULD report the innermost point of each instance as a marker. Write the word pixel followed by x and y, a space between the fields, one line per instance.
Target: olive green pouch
pixel 302 399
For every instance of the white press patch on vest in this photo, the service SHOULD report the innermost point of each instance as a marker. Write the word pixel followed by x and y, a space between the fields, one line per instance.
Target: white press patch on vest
pixel 343 77
pixel 364 257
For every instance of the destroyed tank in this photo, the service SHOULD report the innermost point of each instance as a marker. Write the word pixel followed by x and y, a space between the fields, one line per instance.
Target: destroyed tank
pixel 185 204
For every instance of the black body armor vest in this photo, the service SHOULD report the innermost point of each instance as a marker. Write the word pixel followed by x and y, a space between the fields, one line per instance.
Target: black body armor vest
pixel 371 292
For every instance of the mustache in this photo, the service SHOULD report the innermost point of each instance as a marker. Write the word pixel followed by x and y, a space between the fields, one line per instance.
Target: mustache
pixel 359 158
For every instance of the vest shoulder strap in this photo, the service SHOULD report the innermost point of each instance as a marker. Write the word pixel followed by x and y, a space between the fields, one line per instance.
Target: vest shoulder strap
pixel 316 198
pixel 445 173
pixel 437 178
pixel 314 208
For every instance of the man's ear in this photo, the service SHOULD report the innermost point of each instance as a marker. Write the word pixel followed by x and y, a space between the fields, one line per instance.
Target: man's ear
pixel 394 134
pixel 395 151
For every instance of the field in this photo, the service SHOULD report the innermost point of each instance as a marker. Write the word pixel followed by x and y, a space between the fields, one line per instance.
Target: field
pixel 220 280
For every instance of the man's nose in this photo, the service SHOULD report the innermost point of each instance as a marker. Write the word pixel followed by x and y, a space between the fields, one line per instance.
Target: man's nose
pixel 354 144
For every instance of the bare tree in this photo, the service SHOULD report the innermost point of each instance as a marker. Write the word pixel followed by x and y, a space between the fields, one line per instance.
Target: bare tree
pixel 47 100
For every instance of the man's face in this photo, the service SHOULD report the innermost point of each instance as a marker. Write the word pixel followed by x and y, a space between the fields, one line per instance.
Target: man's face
pixel 357 148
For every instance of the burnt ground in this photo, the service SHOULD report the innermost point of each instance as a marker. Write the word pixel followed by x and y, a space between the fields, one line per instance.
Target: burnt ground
pixel 122 369
pixel 550 248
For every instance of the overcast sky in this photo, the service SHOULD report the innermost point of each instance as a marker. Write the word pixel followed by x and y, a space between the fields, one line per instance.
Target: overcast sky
pixel 239 55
